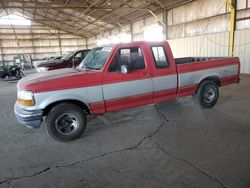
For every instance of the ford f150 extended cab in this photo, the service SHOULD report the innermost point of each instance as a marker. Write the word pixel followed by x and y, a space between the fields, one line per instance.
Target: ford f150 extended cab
pixel 118 77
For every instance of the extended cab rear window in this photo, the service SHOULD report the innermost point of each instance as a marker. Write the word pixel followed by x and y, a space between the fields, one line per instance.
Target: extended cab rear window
pixel 160 58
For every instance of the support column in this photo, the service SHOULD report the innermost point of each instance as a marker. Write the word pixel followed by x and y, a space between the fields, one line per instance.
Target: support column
pixel 165 21
pixel 232 5
pixel 33 46
pixel 87 43
pixel 60 43
pixel 1 52
pixel 131 31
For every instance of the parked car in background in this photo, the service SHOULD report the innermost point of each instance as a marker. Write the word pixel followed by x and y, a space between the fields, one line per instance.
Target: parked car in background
pixel 69 60
pixel 116 78
pixel 36 62
pixel 57 57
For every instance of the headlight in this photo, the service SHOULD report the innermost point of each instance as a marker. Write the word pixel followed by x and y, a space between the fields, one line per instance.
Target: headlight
pixel 25 98
pixel 43 68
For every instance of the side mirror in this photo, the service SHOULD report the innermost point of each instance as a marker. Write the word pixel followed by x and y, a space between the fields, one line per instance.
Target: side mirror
pixel 124 69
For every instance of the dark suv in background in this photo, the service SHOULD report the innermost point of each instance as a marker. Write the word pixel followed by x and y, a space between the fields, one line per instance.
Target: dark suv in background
pixel 69 60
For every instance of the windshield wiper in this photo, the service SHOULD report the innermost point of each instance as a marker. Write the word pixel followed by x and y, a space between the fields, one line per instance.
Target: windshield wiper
pixel 90 68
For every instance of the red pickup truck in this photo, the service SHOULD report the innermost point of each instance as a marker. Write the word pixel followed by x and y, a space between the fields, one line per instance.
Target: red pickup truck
pixel 118 77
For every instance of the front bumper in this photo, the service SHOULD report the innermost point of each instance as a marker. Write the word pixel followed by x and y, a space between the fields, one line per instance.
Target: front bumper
pixel 31 119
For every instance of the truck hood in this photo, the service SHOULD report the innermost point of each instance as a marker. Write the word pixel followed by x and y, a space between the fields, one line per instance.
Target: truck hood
pixel 60 79
pixel 46 75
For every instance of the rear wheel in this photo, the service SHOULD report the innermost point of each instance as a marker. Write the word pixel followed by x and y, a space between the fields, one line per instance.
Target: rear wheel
pixel 19 74
pixel 208 94
pixel 66 122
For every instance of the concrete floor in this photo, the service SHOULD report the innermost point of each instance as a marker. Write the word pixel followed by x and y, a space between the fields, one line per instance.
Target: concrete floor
pixel 173 144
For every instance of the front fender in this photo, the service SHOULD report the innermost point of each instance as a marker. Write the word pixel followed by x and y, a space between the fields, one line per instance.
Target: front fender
pixel 62 97
pixel 86 95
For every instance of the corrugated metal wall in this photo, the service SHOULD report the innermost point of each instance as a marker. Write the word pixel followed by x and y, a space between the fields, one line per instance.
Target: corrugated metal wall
pixel 199 28
pixel 188 21
pixel 203 45
pixel 214 45
pixel 136 28
pixel 242 49
pixel 36 41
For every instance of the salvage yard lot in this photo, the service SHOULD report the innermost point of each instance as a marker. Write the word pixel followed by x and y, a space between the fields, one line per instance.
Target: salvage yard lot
pixel 172 144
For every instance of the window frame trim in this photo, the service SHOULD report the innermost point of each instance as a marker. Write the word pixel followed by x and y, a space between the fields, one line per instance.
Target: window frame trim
pixel 120 48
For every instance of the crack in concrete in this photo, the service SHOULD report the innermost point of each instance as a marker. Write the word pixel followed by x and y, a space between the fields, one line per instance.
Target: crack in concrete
pixel 161 113
pixel 9 180
pixel 161 148
pixel 132 147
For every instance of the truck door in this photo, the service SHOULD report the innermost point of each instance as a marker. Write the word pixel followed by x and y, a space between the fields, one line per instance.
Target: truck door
pixel 164 73
pixel 135 88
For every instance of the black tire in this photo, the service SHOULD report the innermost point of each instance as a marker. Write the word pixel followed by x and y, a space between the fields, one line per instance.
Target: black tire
pixel 22 74
pixel 19 74
pixel 66 122
pixel 3 75
pixel 207 94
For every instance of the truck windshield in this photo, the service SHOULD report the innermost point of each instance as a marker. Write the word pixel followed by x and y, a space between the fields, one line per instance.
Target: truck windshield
pixel 67 56
pixel 96 58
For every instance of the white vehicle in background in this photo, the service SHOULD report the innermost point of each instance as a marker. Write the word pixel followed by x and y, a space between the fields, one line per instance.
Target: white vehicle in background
pixel 36 62
pixel 45 59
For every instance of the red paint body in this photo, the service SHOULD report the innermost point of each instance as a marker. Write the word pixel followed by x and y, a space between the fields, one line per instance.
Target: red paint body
pixel 78 78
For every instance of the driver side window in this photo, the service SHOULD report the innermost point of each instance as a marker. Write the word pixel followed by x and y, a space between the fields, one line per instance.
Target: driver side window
pixel 132 57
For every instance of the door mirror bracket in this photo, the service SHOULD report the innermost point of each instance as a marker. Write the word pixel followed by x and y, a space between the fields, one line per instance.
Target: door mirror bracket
pixel 124 69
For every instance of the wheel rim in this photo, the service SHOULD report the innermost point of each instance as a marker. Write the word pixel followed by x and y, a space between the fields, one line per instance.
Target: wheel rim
pixel 66 124
pixel 209 94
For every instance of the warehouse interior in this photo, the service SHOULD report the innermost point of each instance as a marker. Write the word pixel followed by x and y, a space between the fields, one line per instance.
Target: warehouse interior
pixel 202 27
pixel 170 144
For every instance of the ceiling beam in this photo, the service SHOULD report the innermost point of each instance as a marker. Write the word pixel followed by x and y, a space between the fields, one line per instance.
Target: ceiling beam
pixel 38 15
pixel 114 19
pixel 61 14
pixel 74 20
pixel 56 7
pixel 53 26
pixel 7 13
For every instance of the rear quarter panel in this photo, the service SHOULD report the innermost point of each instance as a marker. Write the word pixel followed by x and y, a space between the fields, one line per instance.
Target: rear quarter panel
pixel 192 74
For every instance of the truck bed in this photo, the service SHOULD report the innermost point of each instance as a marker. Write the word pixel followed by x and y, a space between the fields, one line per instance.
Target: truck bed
pixel 192 70
pixel 185 60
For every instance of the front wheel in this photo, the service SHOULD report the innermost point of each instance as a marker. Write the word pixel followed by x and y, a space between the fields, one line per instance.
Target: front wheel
pixel 208 94
pixel 66 122
pixel 3 74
